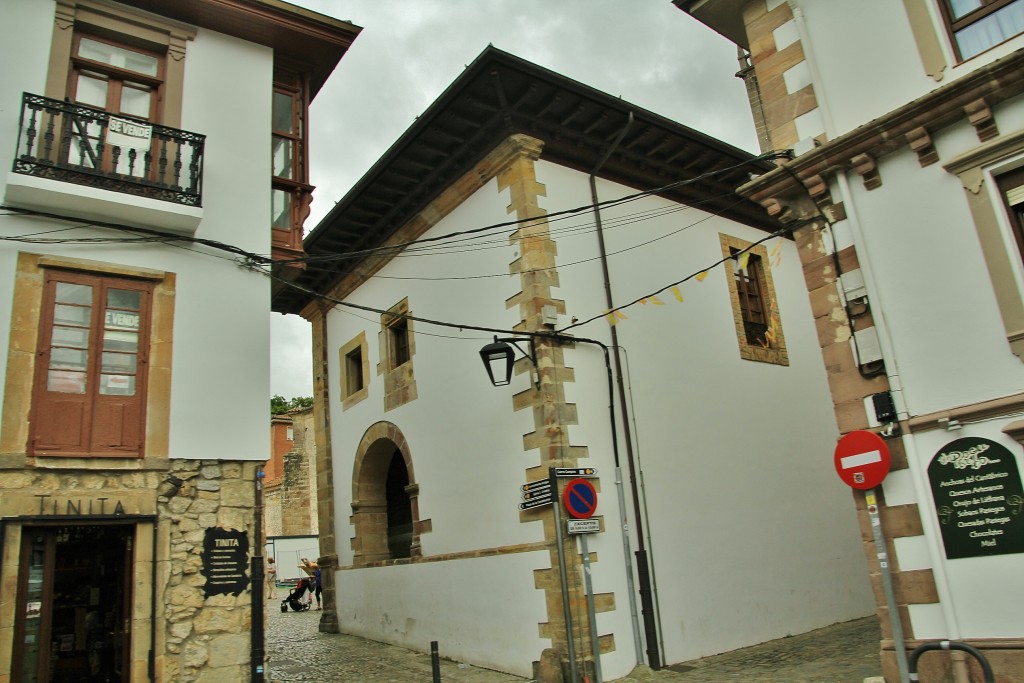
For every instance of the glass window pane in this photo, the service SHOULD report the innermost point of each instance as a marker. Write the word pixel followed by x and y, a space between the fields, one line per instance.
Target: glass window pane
pixel 68 359
pixel 282 157
pixel 280 209
pixel 91 89
pixel 124 363
pixel 33 605
pixel 135 100
pixel 282 115
pixel 73 337
pixel 125 342
pixel 117 385
pixel 992 30
pixel 65 382
pixel 71 315
pixel 69 293
pixel 962 7
pixel 124 298
pixel 118 56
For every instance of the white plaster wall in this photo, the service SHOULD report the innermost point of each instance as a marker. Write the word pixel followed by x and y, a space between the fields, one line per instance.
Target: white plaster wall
pixel 483 611
pixel 221 334
pixel 868 61
pixel 932 287
pixel 752 534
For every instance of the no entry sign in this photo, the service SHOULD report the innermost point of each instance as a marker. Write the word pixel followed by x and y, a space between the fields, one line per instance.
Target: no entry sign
pixel 580 498
pixel 862 459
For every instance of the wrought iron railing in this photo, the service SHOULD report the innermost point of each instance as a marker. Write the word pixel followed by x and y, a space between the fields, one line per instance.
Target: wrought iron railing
pixel 88 146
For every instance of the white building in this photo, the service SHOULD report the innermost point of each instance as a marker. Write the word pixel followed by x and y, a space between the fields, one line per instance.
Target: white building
pixel 135 378
pixel 907 122
pixel 715 412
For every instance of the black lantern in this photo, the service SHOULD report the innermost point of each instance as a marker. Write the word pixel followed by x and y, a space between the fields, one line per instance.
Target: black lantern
pixel 498 358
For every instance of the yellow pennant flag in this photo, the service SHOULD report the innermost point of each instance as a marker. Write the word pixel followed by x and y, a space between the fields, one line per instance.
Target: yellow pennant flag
pixel 678 293
pixel 744 259
pixel 701 275
pixel 614 316
pixel 653 300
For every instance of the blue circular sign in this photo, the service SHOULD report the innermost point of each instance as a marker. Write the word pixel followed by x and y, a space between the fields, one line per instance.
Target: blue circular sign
pixel 580 498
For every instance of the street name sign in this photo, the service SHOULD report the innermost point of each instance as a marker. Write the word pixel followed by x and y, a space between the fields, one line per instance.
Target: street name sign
pixel 575 471
pixel 862 459
pixel 535 485
pixel 534 503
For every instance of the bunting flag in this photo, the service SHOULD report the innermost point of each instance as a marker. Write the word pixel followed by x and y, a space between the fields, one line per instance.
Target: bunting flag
pixel 699 277
pixel 652 300
pixel 614 316
pixel 744 260
pixel 678 293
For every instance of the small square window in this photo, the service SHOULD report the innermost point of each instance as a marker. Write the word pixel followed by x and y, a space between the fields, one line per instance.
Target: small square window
pixel 399 332
pixel 353 371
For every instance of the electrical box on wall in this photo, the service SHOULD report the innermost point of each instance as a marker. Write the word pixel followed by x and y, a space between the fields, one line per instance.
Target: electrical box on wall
pixel 853 285
pixel 866 347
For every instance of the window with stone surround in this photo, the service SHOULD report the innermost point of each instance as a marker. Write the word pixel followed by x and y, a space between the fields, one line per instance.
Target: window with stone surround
pixel 355 371
pixel 397 348
pixel 89 374
pixel 118 59
pixel 992 175
pixel 977 25
pixel 754 305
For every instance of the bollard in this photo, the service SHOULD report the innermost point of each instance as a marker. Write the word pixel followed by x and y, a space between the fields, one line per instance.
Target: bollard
pixel 435 662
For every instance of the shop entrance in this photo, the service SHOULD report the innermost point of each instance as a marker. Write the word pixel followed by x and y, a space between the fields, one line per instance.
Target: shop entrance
pixel 74 604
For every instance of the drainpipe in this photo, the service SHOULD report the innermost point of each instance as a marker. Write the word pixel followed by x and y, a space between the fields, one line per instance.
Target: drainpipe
pixel 960 673
pixel 642 566
pixel 258 651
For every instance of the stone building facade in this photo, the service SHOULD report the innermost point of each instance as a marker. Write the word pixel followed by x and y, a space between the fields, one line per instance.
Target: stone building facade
pixel 904 190
pixel 289 487
pixel 129 543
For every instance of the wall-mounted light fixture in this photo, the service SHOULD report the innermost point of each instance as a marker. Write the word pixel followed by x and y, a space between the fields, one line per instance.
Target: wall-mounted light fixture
pixel 498 358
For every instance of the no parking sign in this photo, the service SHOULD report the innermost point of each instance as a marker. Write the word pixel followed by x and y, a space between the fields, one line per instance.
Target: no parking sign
pixel 580 498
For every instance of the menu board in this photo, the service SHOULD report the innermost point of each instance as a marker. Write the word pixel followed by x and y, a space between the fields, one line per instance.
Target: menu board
pixel 978 497
pixel 225 560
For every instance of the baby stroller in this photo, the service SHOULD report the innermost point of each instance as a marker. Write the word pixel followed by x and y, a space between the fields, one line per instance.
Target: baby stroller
pixel 297 598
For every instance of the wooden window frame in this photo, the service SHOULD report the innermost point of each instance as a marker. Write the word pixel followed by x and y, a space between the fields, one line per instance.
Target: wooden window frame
pixel 953 25
pixel 135 29
pixel 772 349
pixel 294 84
pixel 92 399
pixel 26 346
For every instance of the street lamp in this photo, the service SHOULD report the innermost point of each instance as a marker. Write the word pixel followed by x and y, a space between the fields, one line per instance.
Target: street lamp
pixel 498 357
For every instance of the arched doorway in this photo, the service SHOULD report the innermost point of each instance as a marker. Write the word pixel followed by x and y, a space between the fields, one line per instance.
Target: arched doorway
pixel 384 498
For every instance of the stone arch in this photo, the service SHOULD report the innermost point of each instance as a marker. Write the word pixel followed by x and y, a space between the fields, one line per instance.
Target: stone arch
pixel 386 518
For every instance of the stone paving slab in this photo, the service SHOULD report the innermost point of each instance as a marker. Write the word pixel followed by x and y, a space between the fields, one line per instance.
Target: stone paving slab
pixel 297 651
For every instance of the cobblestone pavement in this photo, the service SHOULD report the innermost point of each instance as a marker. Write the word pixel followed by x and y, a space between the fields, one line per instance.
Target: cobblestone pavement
pixel 297 651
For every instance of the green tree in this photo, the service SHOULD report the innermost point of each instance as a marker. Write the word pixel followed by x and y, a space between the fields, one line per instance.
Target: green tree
pixel 279 404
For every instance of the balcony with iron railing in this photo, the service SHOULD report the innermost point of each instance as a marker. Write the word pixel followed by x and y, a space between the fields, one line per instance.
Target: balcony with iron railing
pixel 82 161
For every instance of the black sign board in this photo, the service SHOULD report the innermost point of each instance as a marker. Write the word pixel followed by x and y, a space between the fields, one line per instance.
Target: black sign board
pixel 978 498
pixel 225 561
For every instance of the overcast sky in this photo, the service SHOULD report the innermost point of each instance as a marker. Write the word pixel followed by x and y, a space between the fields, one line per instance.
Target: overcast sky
pixel 646 51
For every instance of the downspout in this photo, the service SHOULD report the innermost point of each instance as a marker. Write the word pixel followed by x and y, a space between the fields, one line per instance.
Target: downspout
pixel 960 673
pixel 258 650
pixel 643 570
pixel 152 603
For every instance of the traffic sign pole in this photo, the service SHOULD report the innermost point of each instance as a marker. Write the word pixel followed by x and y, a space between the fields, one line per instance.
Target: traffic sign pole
pixel 595 646
pixel 890 596
pixel 567 612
